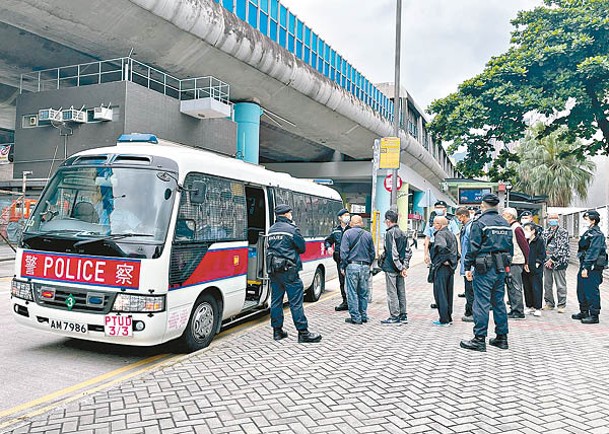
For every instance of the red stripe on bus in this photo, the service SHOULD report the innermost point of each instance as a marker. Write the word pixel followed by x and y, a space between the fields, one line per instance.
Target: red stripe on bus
pixel 227 263
pixel 219 264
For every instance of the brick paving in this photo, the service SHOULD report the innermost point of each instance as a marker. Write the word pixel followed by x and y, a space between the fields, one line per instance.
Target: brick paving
pixel 368 378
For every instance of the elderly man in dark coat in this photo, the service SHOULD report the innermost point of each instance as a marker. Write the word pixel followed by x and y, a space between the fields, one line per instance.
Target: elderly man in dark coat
pixel 443 255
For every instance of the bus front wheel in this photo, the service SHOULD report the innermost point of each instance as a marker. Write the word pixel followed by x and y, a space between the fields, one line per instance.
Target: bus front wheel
pixel 317 287
pixel 202 325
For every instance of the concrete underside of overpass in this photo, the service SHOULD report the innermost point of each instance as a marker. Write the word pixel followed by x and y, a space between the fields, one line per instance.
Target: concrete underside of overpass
pixel 198 38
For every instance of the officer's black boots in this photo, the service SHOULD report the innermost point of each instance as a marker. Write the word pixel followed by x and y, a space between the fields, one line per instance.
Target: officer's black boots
pixel 307 336
pixel 342 306
pixel 592 319
pixel 279 334
pixel 581 315
pixel 500 341
pixel 478 343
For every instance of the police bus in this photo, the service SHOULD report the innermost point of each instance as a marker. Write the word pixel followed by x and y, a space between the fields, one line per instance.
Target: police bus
pixel 151 241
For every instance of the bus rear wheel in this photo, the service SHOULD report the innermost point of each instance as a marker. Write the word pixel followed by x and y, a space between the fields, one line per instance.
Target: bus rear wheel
pixel 202 325
pixel 317 287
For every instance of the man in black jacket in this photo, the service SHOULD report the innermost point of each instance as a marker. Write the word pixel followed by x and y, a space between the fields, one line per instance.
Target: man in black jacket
pixel 394 262
pixel 285 244
pixel 333 241
pixel 444 256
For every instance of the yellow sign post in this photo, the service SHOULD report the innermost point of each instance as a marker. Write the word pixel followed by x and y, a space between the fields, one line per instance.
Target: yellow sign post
pixel 390 153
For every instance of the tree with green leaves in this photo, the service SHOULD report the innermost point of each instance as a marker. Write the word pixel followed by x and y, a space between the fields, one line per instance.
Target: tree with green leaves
pixel 547 166
pixel 559 53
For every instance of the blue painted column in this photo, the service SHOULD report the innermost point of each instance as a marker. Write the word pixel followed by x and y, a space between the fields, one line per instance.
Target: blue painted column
pixel 383 199
pixel 247 116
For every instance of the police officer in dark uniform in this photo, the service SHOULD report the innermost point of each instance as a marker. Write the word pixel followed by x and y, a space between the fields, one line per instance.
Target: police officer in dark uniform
pixel 285 244
pixel 592 254
pixel 333 240
pixel 490 252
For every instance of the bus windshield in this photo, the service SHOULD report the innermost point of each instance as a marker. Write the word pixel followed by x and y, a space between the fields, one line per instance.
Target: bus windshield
pixel 104 205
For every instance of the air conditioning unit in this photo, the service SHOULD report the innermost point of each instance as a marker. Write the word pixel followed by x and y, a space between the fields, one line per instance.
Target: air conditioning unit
pixel 49 114
pixel 32 120
pixel 102 113
pixel 73 115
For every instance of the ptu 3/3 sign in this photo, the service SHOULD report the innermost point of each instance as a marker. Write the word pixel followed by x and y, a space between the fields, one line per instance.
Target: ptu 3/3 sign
pixel 390 153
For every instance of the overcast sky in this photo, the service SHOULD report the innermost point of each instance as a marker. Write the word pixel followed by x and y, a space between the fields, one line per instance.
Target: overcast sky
pixel 444 42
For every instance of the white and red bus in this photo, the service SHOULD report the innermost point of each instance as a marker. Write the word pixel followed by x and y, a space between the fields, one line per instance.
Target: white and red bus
pixel 150 241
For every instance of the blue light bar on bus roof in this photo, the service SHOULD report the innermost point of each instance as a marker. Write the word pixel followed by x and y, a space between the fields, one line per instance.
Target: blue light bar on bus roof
pixel 138 137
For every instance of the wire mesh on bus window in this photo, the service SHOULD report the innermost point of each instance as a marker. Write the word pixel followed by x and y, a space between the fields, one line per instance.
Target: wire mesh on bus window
pixel 314 216
pixel 221 215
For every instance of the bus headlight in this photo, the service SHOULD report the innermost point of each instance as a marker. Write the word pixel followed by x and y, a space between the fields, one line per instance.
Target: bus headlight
pixel 139 303
pixel 21 289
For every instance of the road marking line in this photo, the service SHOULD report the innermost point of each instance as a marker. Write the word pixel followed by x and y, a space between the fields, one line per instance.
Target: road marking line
pixel 151 362
pixel 148 364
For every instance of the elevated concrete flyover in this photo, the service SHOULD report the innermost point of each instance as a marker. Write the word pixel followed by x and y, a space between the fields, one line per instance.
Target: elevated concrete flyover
pixel 194 38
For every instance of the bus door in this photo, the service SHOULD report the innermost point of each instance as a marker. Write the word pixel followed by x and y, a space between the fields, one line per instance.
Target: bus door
pixel 257 282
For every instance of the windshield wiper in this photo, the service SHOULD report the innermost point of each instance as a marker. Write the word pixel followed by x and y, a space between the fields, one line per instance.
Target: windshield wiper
pixel 111 237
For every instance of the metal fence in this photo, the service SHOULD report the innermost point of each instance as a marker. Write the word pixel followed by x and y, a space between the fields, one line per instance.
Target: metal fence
pixel 124 69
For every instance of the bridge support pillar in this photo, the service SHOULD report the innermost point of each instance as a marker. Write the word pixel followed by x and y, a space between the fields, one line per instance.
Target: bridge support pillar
pixel 247 117
pixel 382 199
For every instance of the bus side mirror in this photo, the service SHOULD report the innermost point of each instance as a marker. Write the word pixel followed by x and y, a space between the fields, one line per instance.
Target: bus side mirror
pixel 198 192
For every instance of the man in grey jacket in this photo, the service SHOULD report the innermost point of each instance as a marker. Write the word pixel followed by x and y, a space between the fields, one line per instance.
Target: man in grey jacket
pixel 394 262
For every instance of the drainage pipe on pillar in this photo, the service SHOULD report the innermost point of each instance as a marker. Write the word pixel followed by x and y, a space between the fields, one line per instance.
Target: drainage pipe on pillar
pixel 247 117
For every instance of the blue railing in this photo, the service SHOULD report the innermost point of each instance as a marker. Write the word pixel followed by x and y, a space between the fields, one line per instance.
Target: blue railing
pixel 276 22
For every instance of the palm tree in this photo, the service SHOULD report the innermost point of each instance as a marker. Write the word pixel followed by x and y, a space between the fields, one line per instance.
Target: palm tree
pixel 546 168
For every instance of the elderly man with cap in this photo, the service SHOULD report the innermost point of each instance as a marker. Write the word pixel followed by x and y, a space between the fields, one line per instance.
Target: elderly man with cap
pixel 592 254
pixel 490 252
pixel 285 244
pixel 332 241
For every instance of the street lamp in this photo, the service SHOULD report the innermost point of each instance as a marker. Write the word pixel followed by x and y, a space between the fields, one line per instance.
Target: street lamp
pixel 508 187
pixel 396 98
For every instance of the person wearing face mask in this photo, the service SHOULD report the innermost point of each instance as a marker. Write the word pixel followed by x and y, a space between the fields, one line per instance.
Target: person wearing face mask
pixel 557 260
pixel 463 215
pixel 332 244
pixel 490 252
pixel 527 217
pixel 285 245
pixel 519 264
pixel 592 254
pixel 394 262
pixel 533 279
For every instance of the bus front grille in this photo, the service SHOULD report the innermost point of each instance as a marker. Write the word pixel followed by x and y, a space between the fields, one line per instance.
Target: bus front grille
pixel 74 299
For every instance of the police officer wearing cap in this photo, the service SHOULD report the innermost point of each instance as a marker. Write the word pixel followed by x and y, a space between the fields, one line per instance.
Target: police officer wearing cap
pixel 490 252
pixel 592 254
pixel 285 244
pixel 333 241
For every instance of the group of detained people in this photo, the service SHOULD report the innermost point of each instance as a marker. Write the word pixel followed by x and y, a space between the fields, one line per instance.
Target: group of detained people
pixel 535 255
pixel 539 262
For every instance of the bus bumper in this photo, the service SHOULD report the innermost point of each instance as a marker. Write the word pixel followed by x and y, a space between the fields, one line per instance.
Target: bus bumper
pixel 143 329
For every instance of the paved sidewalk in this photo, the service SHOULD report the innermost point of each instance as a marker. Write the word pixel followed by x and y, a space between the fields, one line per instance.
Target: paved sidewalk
pixel 411 378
